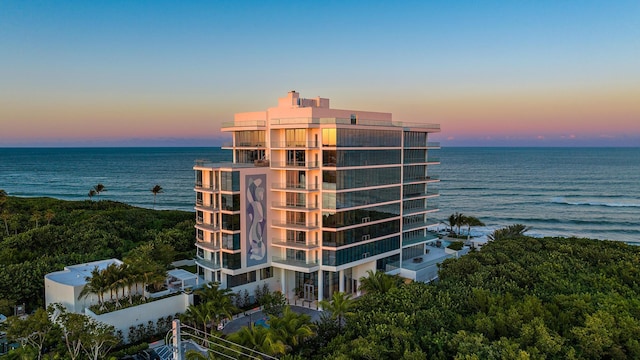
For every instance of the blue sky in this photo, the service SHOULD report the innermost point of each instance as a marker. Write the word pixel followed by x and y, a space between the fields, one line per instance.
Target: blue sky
pixel 492 73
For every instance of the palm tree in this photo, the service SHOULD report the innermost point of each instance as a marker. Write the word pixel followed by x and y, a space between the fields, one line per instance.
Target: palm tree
pixel 99 188
pixel 197 315
pixel 379 282
pixel 114 274
pixel 260 339
pixel 338 307
pixel 471 221
pixel 156 190
pixel 452 221
pixel 218 300
pixel 95 284
pixel 49 215
pixel 292 328
pixel 91 194
pixel 509 232
pixel 36 217
pixel 6 216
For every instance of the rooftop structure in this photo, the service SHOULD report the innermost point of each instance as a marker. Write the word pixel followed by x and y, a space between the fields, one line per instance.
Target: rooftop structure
pixel 315 197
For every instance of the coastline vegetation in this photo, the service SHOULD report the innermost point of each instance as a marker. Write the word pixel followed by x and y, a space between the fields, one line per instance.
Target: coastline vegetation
pixel 42 235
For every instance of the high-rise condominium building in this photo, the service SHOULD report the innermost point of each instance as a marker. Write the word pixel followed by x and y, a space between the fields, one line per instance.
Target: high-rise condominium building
pixel 315 197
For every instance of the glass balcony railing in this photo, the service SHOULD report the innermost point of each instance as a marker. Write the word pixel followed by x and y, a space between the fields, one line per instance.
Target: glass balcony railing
pixel 207 227
pixel 294 144
pixel 277 204
pixel 307 264
pixel 295 164
pixel 207 264
pixel 207 246
pixel 430 236
pixel 430 178
pixel 293 244
pixel 421 194
pixel 205 187
pixel 296 225
pixel 289 186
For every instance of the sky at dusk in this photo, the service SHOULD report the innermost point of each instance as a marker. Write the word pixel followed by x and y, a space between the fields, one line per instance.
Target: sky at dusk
pixel 160 73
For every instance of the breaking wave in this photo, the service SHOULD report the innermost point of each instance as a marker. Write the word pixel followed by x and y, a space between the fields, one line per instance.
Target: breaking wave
pixel 561 200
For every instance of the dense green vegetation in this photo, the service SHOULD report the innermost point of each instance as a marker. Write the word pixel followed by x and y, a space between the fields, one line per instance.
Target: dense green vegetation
pixel 41 235
pixel 518 298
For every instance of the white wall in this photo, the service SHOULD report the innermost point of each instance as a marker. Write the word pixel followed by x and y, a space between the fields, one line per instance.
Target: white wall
pixel 142 314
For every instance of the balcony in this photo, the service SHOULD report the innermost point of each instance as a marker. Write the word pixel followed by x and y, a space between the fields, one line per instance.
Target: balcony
pixel 294 264
pixel 207 264
pixel 206 227
pixel 428 193
pixel 244 123
pixel 294 144
pixel 418 224
pixel 429 236
pixel 293 244
pixel 430 206
pixel 295 187
pixel 295 164
pixel 257 144
pixel 292 206
pixel 207 246
pixel 418 179
pixel 429 145
pixel 205 187
pixel 295 225
pixel 208 208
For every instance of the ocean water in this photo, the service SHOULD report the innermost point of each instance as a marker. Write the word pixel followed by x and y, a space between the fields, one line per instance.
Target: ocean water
pixel 584 192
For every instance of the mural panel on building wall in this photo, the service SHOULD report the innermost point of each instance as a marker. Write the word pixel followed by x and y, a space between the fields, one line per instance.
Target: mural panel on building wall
pixel 256 226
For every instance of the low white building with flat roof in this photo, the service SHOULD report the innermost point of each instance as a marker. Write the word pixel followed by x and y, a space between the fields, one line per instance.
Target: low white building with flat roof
pixel 65 286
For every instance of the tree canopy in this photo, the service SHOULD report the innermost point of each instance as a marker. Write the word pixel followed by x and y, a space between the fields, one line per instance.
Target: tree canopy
pixel 77 232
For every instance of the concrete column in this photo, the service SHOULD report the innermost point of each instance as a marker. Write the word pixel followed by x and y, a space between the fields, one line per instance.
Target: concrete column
pixel 177 341
pixel 283 282
pixel 320 289
pixel 341 276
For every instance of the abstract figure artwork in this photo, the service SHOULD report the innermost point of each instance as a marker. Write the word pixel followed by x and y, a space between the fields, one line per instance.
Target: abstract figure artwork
pixel 256 220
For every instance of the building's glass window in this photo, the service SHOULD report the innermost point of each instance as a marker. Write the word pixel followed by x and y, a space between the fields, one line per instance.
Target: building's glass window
pixel 328 137
pixel 199 216
pixel 415 139
pixel 198 178
pixel 298 255
pixel 359 198
pixel 415 173
pixel 241 279
pixel 295 158
pixel 343 158
pixel 298 237
pixel 359 234
pixel 250 138
pixel 199 235
pixel 266 273
pixel 231 222
pixel 230 202
pixel 358 178
pixel 359 252
pixel 388 263
pixel 230 181
pixel 249 156
pixel 330 283
pixel 367 138
pixel 231 261
pixel 415 156
pixel 231 241
pixel 295 137
pixel 359 216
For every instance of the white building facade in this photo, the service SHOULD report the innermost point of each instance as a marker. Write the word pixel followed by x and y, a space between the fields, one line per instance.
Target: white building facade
pixel 315 197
